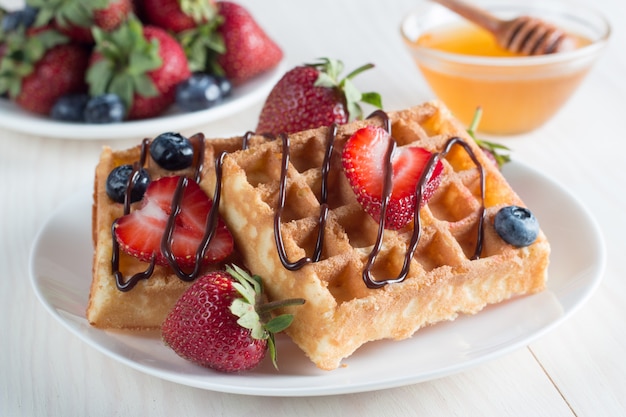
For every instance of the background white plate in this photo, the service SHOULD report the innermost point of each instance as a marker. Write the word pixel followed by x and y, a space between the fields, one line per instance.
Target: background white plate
pixel 14 118
pixel 60 267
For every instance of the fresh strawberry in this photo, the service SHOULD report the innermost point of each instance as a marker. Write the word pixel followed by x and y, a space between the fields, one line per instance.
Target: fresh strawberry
pixel 141 64
pixel 220 323
pixel 140 232
pixel 363 159
pixel 312 95
pixel 179 15
pixel 39 66
pixel 195 24
pixel 75 18
pixel 249 50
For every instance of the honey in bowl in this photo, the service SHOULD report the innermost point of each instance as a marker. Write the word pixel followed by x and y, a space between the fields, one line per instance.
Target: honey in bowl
pixel 467 69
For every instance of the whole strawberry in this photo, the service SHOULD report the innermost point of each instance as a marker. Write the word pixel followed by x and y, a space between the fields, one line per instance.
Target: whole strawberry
pixel 195 24
pixel 312 95
pixel 140 64
pixel 249 51
pixel 39 66
pixel 219 322
pixel 179 15
pixel 75 18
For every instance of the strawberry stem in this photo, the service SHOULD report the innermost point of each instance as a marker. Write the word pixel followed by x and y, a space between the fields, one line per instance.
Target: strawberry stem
pixel 329 70
pixel 255 316
pixel 491 147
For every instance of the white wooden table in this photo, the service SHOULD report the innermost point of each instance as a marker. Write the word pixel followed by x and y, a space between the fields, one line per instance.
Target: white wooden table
pixel 578 369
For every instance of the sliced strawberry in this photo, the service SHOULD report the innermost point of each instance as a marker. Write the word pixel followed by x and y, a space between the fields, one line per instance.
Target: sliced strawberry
pixel 364 164
pixel 140 232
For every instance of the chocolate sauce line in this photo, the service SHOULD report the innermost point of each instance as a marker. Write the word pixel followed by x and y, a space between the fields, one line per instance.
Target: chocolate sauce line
pixel 120 282
pixel 166 241
pixel 212 218
pixel 198 141
pixel 319 243
pixel 415 237
pixel 210 227
pixel 245 139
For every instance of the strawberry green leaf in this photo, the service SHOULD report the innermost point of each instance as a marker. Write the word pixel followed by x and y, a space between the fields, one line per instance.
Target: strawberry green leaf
pixel 248 318
pixel 494 149
pixel 98 77
pixel 353 97
pixel 144 86
pixel 325 80
pixel 123 87
pixel 329 72
pixel 21 54
pixel 359 70
pixel 279 323
pixel 198 10
pixel 271 348
pixel 127 57
pixel 67 12
pixel 245 308
pixel 202 45
pixel 372 98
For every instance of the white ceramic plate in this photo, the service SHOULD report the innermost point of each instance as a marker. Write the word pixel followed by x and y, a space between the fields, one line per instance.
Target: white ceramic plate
pixel 242 97
pixel 60 269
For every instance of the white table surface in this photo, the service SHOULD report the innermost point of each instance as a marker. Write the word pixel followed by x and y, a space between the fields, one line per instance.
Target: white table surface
pixel 578 369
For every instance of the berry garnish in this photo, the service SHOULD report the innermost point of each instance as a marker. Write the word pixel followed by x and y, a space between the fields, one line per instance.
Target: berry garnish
pixel 117 183
pixel 140 232
pixel 312 95
pixel 516 225
pixel 226 87
pixel 13 20
pixel 198 92
pixel 248 50
pixel 221 322
pixel 172 151
pixel 104 108
pixel 70 108
pixel 364 163
pixel 40 66
pixel 76 18
pixel 140 63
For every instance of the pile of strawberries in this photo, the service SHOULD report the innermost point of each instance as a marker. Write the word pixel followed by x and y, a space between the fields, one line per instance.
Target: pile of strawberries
pixel 135 50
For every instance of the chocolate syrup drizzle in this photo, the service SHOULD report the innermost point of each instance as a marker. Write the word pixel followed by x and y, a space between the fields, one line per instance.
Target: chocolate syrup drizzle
pixel 278 237
pixel 368 278
pixel 211 226
pixel 166 241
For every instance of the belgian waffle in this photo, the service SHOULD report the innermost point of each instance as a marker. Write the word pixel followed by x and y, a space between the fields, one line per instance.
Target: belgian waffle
pixel 341 312
pixel 147 304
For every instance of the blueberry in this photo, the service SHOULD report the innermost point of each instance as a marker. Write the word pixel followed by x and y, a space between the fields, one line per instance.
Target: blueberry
pixel 516 225
pixel 19 18
pixel 105 108
pixel 117 182
pixel 198 92
pixel 70 108
pixel 172 151
pixel 225 85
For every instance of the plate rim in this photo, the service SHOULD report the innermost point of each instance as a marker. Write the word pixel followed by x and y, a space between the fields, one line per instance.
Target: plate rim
pixel 252 92
pixel 307 391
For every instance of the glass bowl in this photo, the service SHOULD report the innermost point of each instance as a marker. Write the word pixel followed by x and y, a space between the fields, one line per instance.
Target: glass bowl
pixel 516 93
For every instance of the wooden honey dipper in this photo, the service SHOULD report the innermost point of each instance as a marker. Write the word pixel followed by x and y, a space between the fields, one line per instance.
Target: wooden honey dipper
pixel 524 35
